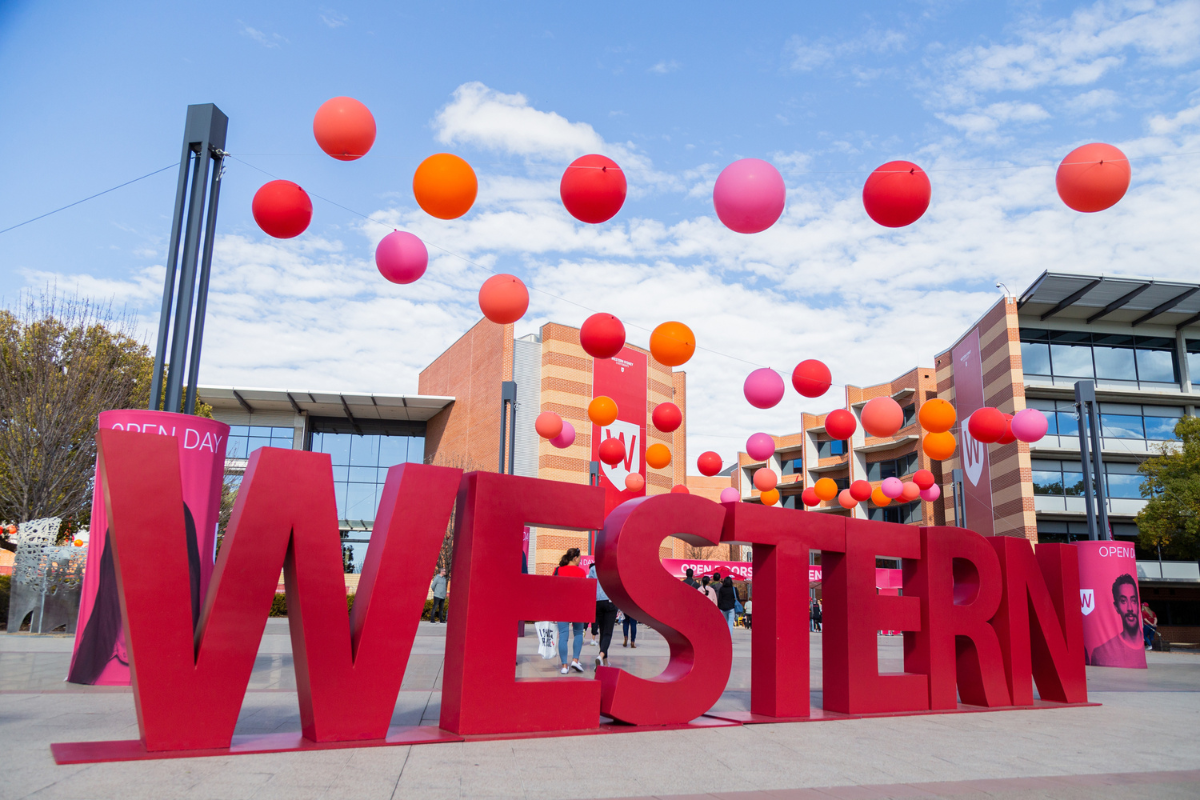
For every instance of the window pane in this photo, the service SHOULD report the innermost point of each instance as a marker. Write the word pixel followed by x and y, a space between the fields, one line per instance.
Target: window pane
pixel 260 430
pixel 362 474
pixel 837 447
pixel 1035 358
pixel 1121 426
pixel 1115 363
pixel 1071 361
pixel 1124 486
pixel 238 430
pixel 360 501
pixel 284 432
pixel 338 447
pixel 1047 483
pixel 1160 427
pixel 1156 365
pixel 1067 424
pixel 393 450
pixel 341 474
pixel 1194 367
pixel 364 451
pixel 236 448
pixel 339 491
pixel 1073 483
pixel 281 441
pixel 255 442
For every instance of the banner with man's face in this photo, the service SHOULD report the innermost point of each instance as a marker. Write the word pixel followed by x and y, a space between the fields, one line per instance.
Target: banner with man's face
pixel 1111 604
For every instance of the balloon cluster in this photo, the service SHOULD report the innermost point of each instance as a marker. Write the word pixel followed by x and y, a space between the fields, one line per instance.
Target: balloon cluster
pixel 992 426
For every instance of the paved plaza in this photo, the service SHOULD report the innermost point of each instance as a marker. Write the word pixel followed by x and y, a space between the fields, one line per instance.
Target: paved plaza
pixel 1142 742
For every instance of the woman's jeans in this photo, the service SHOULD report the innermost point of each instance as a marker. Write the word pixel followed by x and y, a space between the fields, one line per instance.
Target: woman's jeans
pixel 730 615
pixel 563 628
pixel 629 625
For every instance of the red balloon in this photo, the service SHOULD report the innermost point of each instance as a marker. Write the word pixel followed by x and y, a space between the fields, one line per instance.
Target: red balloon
pixel 593 189
pixel 860 491
pixel 612 451
pixel 1093 177
pixel 282 209
pixel 882 416
pixel 923 478
pixel 809 497
pixel 709 463
pixel 667 417
pixel 602 336
pixel 1009 437
pixel 840 424
pixel 896 194
pixel 987 425
pixel 811 378
pixel 344 128
pixel 679 488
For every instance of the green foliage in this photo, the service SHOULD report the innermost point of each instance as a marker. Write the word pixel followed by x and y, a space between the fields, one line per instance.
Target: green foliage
pixel 5 586
pixel 1171 518
pixel 279 604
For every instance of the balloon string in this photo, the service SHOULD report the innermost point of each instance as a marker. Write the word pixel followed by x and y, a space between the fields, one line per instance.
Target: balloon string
pixel 84 200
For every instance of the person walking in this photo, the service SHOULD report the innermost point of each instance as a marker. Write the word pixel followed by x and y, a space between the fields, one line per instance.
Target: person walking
pixel 727 601
pixel 689 580
pixel 1149 625
pixel 820 613
pixel 439 585
pixel 606 618
pixel 708 590
pixel 748 616
pixel 813 610
pixel 568 567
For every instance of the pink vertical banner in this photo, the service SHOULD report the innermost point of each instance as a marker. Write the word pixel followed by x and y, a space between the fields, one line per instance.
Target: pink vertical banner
pixel 1112 605
pixel 623 378
pixel 99 656
pixel 968 398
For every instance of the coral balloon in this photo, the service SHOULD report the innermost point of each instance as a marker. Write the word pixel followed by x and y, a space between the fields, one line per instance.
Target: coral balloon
pixel 811 378
pixel 658 456
pixel 667 417
pixel 503 299
pixel 593 189
pixel 879 498
pixel 987 425
pixel 896 194
pixel 845 499
pixel 602 411
pixel 566 438
pixel 602 336
pixel 612 451
pixel 892 487
pixel 672 344
pixel 749 195
pixel 730 495
pixel 937 415
pixel 1029 425
pixel 769 497
pixel 445 186
pixel 860 490
pixel 931 494
pixel 635 482
pixel 763 388
pixel 282 209
pixel 881 417
pixel 1093 177
pixel 826 489
pixel 840 424
pixel 401 257
pixel 548 425
pixel 709 463
pixel 809 497
pixel 760 446
pixel 678 488
pixel 1008 437
pixel 923 478
pixel 939 446
pixel 765 480
pixel 344 128
pixel 910 492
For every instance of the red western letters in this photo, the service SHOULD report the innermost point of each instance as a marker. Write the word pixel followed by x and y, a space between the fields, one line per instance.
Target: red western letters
pixel 987 617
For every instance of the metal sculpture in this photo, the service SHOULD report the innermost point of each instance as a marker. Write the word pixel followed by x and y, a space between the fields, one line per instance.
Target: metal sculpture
pixel 46 578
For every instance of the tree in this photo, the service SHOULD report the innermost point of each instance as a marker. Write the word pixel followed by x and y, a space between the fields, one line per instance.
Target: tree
pixel 1171 517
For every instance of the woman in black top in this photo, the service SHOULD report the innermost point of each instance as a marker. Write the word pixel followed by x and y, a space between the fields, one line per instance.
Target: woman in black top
pixel 726 600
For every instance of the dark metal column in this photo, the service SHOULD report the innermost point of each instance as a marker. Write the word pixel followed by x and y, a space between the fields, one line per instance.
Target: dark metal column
pixel 508 424
pixel 1092 462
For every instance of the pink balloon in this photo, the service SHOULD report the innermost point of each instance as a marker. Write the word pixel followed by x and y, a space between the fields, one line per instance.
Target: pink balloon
pixel 931 494
pixel 760 446
pixel 763 388
pixel 401 257
pixel 749 195
pixel 566 438
pixel 892 487
pixel 634 482
pixel 730 495
pixel 1029 425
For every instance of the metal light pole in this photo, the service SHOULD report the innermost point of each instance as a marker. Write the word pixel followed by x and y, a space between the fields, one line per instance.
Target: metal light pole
pixel 508 422
pixel 203 142
pixel 1093 466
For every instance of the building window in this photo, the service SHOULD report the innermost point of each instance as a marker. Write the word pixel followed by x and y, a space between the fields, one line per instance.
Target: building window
pixel 1107 358
pixel 793 466
pixel 1117 420
pixel 910 415
pixel 1065 479
pixel 245 439
pixel 1193 360
pixel 903 514
pixel 894 468
pixel 831 447
pixel 360 467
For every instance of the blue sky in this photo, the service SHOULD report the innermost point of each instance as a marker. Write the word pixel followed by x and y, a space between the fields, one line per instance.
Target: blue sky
pixel 983 95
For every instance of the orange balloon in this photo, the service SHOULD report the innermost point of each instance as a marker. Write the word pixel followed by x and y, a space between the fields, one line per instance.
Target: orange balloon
pixel 826 489
pixel 769 497
pixel 672 344
pixel 939 446
pixel 344 128
pixel 879 498
pixel 602 411
pixel 445 186
pixel 503 299
pixel 658 456
pixel 937 415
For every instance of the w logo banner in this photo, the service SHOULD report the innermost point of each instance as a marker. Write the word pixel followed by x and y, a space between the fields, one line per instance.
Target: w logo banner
pixel 628 433
pixel 1087 601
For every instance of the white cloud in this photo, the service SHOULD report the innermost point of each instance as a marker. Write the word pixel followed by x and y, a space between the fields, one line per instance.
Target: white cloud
pixel 333 19
pixel 984 121
pixel 265 39
pixel 1094 100
pixel 663 67
pixel 1164 125
pixel 805 55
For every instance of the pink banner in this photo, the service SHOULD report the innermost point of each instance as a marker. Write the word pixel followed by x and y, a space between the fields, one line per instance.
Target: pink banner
pixel 99 657
pixel 623 378
pixel 968 398
pixel 1111 603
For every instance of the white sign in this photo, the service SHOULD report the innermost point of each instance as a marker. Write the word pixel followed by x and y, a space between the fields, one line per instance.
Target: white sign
pixel 628 433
